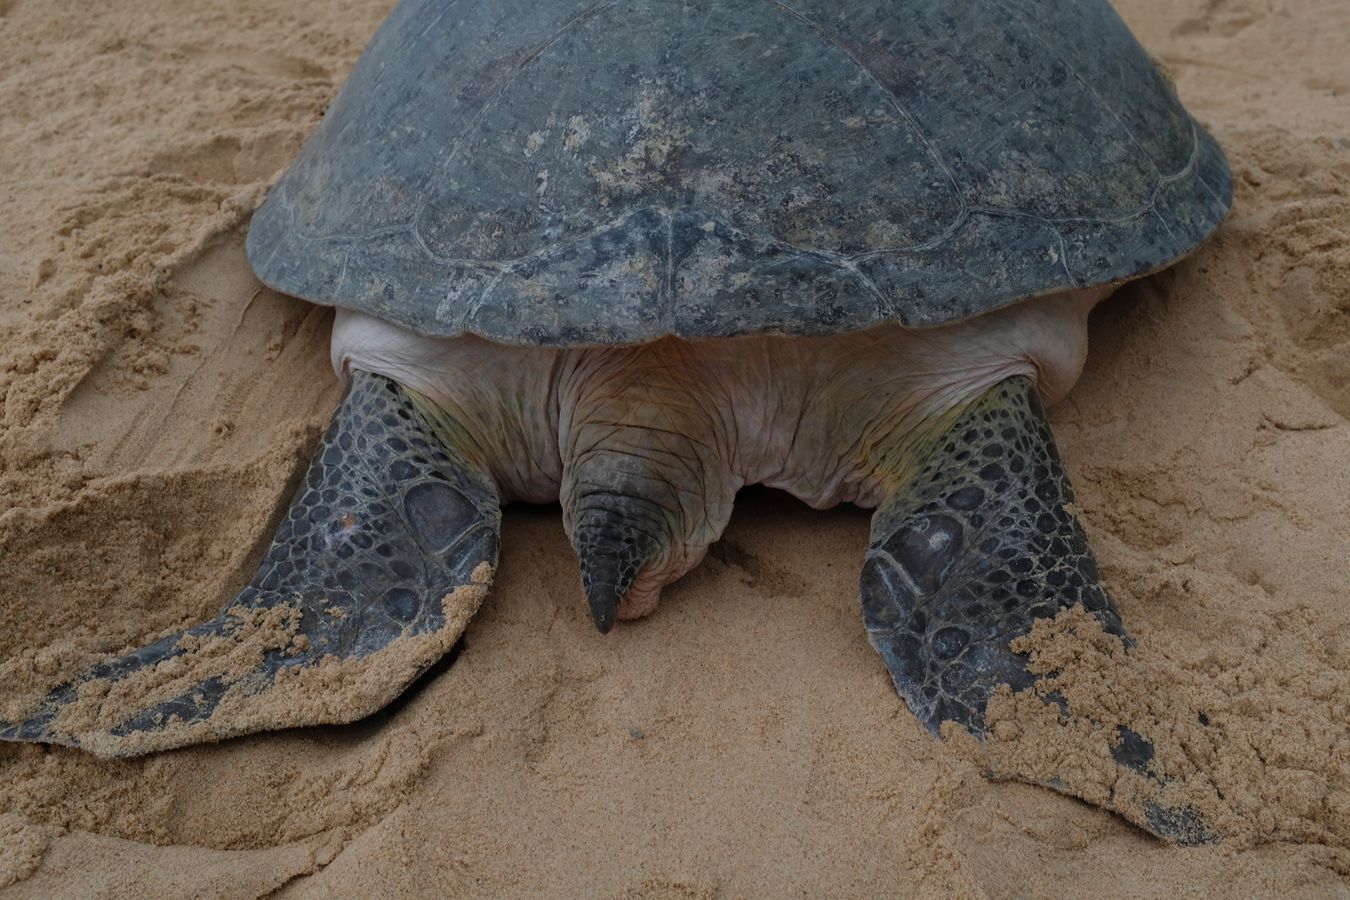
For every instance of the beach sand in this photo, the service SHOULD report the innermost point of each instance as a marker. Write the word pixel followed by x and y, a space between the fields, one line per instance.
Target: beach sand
pixel 159 405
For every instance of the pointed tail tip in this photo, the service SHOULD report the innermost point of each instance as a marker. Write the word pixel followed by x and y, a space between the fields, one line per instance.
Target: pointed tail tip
pixel 603 600
pixel 611 553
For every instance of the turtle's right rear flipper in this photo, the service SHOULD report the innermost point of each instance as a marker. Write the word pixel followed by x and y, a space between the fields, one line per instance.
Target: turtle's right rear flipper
pixel 966 555
pixel 387 551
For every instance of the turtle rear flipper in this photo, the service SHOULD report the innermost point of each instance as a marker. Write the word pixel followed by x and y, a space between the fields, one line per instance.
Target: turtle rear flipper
pixel 385 554
pixel 966 554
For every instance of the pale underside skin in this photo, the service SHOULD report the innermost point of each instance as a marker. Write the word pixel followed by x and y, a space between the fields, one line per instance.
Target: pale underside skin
pixel 676 427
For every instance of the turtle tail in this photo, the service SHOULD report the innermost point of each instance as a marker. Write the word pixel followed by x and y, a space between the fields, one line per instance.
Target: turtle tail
pixel 645 491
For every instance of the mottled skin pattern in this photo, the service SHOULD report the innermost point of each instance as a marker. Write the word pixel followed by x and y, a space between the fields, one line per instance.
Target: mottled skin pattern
pixel 388 521
pixel 969 550
pixel 646 446
pixel 974 542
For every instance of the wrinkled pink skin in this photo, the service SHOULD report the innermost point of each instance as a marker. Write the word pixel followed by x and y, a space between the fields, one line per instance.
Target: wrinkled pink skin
pixel 693 421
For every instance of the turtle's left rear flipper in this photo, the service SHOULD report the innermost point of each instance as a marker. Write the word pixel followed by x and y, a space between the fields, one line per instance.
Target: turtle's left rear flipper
pixel 387 550
pixel 976 543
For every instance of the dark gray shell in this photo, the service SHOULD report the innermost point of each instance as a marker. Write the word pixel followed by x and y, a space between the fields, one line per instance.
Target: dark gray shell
pixel 579 172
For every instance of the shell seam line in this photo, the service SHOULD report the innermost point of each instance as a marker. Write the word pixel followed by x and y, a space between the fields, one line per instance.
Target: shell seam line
pixel 842 259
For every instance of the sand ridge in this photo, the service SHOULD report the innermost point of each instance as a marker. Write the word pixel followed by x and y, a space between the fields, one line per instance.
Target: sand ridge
pixel 159 405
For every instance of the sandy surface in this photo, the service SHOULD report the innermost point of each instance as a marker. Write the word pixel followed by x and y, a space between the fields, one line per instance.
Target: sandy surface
pixel 745 740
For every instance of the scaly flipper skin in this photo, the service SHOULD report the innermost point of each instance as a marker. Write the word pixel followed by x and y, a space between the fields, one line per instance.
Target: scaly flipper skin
pixel 967 552
pixel 386 552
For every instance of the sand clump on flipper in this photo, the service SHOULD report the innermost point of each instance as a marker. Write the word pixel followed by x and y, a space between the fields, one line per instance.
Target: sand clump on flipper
pixel 1259 752
pixel 329 689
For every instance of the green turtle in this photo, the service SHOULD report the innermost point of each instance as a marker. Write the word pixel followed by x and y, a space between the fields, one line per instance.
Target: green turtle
pixel 632 255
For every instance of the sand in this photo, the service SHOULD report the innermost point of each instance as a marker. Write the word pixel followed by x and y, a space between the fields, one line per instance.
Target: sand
pixel 158 404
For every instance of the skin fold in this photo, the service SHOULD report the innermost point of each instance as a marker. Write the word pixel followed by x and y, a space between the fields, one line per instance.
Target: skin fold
pixel 646 446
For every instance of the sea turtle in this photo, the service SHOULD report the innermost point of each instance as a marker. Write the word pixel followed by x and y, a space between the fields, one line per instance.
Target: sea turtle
pixel 635 254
